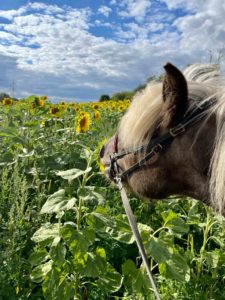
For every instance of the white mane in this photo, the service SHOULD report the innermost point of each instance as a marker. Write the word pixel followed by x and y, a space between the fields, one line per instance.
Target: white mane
pixel 204 83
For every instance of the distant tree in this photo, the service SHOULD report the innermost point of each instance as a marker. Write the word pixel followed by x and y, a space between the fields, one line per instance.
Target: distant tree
pixel 104 97
pixel 122 96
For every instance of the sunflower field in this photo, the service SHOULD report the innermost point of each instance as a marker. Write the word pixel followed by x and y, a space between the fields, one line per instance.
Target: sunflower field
pixel 63 230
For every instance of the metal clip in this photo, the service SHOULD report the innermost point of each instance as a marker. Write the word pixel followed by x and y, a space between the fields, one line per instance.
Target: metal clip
pixel 157 148
pixel 177 130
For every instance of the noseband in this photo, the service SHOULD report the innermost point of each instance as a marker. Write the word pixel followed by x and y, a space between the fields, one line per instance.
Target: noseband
pixel 159 144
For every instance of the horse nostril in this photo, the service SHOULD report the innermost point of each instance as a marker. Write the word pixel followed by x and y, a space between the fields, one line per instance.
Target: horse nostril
pixel 101 153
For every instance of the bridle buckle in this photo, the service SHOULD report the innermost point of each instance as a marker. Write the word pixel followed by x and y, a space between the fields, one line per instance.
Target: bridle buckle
pixel 177 130
pixel 113 168
pixel 157 148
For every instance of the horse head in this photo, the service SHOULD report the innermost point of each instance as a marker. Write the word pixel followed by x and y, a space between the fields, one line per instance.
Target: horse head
pixel 184 116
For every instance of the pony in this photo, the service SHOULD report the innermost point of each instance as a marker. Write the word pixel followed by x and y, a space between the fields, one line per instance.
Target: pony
pixel 193 164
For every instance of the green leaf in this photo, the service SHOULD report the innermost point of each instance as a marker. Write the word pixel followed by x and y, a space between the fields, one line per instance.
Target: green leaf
pixel 31 98
pixel 65 290
pixel 12 132
pixel 26 154
pixel 57 203
pixel 73 173
pixel 168 216
pixel 86 154
pixel 121 231
pixel 8 132
pixel 145 231
pixel 77 240
pixel 175 268
pixel 51 282
pixel 99 221
pixel 111 280
pixel 178 225
pixel 135 280
pixel 96 263
pixel 194 210
pixel 57 285
pixel 93 193
pixel 38 273
pixel 80 261
pixel 158 249
pixel 46 232
pixel 38 257
pixel 58 252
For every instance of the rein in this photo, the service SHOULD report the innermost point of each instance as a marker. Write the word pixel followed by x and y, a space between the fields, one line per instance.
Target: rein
pixel 155 146
pixel 134 227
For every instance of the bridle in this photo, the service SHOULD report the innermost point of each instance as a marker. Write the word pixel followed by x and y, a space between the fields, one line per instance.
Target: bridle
pixel 160 144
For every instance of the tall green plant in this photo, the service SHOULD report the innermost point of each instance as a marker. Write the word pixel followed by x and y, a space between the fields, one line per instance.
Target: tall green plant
pixel 68 260
pixel 17 212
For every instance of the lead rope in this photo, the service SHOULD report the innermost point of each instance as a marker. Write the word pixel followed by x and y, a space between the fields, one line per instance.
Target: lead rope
pixel 136 233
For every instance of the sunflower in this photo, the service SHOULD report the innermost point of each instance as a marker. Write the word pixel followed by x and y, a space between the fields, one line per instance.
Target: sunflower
pixel 54 111
pixel 7 101
pixel 62 105
pixel 96 106
pixel 121 107
pixel 82 114
pixel 72 104
pixel 97 115
pixel 41 101
pixel 113 107
pixel 127 101
pixel 83 122
pixel 77 109
pixel 33 105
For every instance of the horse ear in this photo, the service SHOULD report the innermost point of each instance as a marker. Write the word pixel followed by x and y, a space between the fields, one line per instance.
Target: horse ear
pixel 175 96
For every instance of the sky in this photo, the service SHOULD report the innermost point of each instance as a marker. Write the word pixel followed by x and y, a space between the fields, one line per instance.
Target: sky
pixel 77 50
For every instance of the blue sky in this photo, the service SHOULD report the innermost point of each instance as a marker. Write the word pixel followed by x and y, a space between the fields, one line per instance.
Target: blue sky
pixel 78 50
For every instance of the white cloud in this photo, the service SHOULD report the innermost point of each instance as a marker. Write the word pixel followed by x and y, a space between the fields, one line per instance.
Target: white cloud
pixel 188 5
pixel 104 10
pixel 134 8
pixel 205 29
pixel 101 23
pixel 133 31
pixel 53 50
pixel 10 14
pixel 50 9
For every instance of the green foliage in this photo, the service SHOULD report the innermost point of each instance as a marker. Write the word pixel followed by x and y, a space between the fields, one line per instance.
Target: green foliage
pixel 17 213
pixel 70 243
pixel 104 97
pixel 64 234
pixel 122 96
